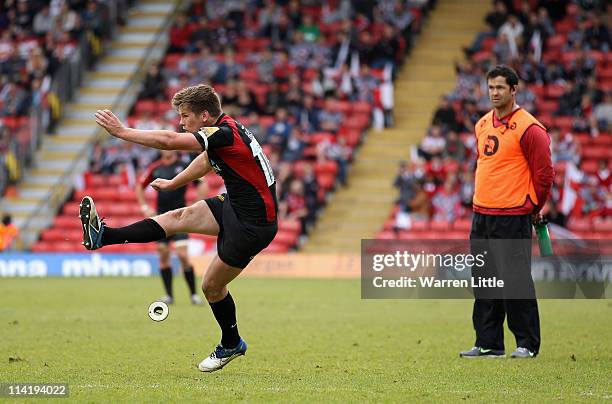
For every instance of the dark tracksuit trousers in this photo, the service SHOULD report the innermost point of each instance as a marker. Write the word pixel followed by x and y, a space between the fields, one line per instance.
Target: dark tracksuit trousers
pixel 507 240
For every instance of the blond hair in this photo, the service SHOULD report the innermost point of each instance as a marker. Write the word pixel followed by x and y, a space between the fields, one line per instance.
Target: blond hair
pixel 198 99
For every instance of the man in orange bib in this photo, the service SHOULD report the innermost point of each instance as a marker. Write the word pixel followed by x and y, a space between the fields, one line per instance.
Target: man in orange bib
pixel 514 175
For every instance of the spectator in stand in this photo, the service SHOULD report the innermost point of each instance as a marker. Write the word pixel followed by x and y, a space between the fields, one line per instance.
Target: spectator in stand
pixel 279 131
pixel 470 115
pixel 8 233
pixel 387 48
pixel 206 64
pixel 339 152
pixel 311 192
pixel 15 100
pixel 569 104
pixel 294 205
pixel 330 119
pixel 284 176
pixel 564 148
pixel 437 170
pixel 247 102
pixel 309 29
pixel 228 69
pixel 466 188
pixel 275 99
pixel 265 66
pixel 296 142
pixel 202 35
pixel 294 13
pixel 308 115
pixel 69 20
pixel 495 19
pixel 406 183
pixel 526 98
pixel 255 127
pixel 230 99
pixel 601 118
pixel 154 84
pixel 513 30
pixel 323 85
pixel 92 19
pixel 294 94
pixel 445 115
pixel 268 17
pixel 454 150
pixel 603 174
pixel 43 22
pixel 597 35
pixel 180 34
pixel 334 11
pixel 447 203
pixel 433 143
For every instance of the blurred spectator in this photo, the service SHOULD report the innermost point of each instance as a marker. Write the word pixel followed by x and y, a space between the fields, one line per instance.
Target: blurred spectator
pixel 256 128
pixel 295 145
pixel 433 143
pixel 339 152
pixel 525 98
pixel 227 70
pixel 309 29
pixel 294 205
pixel 274 99
pixel 279 131
pixel 597 35
pixel 406 184
pixel 8 233
pixel 601 119
pixel 154 84
pixel 455 149
pixel 563 148
pixel 43 22
pixel 329 118
pixel 445 115
pixel 180 34
pixel 311 192
pixel 447 203
pixel 569 104
pixel 246 99
pixel 308 115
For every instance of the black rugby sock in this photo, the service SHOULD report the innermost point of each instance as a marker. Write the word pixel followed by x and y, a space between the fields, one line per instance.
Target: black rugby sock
pixel 190 278
pixel 145 231
pixel 225 313
pixel 166 275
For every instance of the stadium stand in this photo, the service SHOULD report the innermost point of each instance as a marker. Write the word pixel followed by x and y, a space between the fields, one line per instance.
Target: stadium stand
pixel 38 42
pixel 562 55
pixel 306 79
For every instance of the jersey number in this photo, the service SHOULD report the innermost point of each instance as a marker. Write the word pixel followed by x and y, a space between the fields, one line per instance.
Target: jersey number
pixel 260 156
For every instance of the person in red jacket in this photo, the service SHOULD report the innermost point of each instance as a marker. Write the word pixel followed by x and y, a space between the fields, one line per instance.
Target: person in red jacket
pixel 514 176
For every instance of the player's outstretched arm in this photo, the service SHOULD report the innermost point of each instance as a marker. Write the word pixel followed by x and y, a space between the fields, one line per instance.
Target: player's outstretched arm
pixel 157 139
pixel 198 168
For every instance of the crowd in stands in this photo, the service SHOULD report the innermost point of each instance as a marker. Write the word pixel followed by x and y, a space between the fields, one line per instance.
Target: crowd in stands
pixel 561 51
pixel 306 77
pixel 36 37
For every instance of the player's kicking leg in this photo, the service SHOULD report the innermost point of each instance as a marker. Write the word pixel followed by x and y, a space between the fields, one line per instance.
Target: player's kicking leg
pixel 196 218
pixel 214 286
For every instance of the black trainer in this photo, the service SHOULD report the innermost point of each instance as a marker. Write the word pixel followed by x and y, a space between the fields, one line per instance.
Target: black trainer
pixel 478 352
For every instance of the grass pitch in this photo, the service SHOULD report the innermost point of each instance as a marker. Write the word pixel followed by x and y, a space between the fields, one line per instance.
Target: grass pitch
pixel 309 341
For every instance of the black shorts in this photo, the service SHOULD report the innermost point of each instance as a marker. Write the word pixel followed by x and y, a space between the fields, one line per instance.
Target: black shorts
pixel 179 239
pixel 239 241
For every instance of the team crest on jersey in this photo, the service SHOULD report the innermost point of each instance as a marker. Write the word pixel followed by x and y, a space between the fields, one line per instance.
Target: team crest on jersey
pixel 208 131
